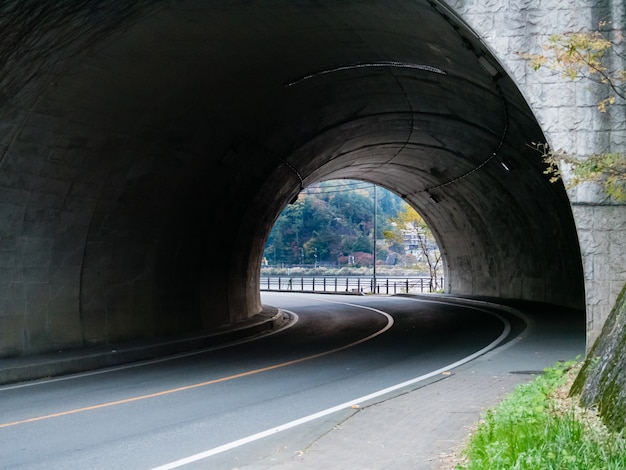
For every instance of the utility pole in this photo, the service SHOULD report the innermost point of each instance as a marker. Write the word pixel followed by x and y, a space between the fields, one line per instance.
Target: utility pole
pixel 375 217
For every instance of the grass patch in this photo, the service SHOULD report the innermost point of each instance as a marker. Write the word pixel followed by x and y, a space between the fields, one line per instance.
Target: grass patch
pixel 539 427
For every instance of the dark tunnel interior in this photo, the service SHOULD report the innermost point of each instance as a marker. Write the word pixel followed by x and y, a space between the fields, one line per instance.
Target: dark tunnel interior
pixel 151 149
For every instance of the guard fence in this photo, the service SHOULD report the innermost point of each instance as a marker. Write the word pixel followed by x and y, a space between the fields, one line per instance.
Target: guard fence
pixel 351 284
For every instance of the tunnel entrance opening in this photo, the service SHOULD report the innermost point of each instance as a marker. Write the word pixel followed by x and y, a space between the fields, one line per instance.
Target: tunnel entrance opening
pixel 343 233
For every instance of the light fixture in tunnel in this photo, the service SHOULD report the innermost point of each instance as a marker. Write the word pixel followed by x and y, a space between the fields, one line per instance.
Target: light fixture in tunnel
pixel 433 198
pixel 504 162
pixel 488 66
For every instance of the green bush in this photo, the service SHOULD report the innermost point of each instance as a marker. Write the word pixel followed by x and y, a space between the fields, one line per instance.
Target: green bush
pixel 534 429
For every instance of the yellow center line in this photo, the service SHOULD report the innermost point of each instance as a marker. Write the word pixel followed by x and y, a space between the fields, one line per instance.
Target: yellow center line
pixel 197 385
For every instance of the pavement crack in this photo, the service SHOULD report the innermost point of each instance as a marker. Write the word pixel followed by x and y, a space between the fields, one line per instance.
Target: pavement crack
pixel 335 427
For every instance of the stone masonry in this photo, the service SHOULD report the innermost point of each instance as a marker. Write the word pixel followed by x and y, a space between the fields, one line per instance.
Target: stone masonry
pixel 567 112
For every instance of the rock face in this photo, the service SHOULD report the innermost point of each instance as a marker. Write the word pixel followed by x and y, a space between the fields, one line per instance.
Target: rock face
pixel 602 381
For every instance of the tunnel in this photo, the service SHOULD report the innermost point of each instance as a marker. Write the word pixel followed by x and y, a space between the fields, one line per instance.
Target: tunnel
pixel 149 146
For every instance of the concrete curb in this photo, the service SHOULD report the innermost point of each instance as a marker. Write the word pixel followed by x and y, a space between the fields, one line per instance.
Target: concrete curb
pixel 27 368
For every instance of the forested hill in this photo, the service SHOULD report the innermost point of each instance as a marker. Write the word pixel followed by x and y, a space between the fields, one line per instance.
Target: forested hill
pixel 333 220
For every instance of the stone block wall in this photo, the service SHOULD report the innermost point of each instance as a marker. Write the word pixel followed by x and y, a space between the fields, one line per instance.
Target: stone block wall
pixel 567 112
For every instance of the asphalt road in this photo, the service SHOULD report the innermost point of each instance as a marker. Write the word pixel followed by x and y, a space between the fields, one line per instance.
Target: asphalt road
pixel 215 407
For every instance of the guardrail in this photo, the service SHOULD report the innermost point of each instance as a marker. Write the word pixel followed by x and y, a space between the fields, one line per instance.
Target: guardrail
pixel 351 284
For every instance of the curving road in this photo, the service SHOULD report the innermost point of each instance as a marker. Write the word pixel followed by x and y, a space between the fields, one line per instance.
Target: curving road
pixel 215 408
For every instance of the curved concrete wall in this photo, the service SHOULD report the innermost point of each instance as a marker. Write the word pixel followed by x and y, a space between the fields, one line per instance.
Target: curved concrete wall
pixel 567 112
pixel 143 167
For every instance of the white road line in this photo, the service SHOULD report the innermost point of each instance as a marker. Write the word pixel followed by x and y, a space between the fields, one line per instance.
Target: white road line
pixel 349 404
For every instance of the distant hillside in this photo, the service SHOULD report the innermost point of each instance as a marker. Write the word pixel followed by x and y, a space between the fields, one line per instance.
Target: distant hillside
pixel 332 223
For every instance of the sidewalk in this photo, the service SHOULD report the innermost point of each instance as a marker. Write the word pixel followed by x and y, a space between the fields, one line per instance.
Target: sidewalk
pixel 422 428
pixel 418 430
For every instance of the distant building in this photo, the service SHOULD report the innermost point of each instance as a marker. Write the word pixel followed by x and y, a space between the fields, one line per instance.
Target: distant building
pixel 416 242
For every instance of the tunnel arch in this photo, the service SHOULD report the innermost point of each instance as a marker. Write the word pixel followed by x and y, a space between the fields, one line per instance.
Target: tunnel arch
pixel 143 170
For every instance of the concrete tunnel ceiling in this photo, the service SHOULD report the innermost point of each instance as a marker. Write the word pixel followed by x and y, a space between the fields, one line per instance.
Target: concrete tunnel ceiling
pixel 147 158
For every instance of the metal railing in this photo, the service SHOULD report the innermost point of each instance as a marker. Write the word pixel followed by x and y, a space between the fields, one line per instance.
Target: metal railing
pixel 350 284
